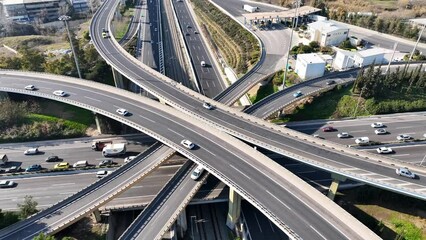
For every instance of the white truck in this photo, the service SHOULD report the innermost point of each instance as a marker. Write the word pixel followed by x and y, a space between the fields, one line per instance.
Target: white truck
pixel 249 8
pixel 115 149
pixel 3 159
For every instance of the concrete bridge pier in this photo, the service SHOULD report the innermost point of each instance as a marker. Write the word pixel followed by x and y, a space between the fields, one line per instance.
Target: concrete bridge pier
pixel 118 79
pixel 332 191
pixel 97 215
pixel 234 208
pixel 98 123
pixel 181 224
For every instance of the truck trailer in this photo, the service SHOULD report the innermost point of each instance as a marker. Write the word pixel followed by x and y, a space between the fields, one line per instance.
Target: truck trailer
pixel 99 145
pixel 116 149
pixel 249 8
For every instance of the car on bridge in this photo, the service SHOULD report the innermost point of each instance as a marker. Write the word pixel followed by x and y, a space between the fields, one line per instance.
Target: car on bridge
pixel 7 184
pixel 33 168
pixel 328 129
pixel 403 171
pixel 384 150
pixel 297 94
pixel 377 125
pixel 198 171
pixel 188 144
pixel 380 131
pixel 343 135
pixel 207 106
pixel 330 82
pixel 60 93
pixel 30 87
pixel 403 137
pixel 122 112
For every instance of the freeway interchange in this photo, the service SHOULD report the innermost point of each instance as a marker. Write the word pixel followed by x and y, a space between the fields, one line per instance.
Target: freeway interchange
pixel 225 157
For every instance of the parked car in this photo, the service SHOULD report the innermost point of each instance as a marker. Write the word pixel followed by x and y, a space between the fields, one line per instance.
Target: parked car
pixel 7 184
pixel 207 105
pixel 33 168
pixel 198 171
pixel 328 129
pixel 13 169
pixel 106 162
pixel 403 171
pixel 343 135
pixel 31 151
pixel 62 165
pixel 362 140
pixel 122 112
pixel 377 125
pixel 297 94
pixel 129 158
pixel 82 163
pixel 330 82
pixel 384 150
pixel 59 93
pixel 403 137
pixel 380 131
pixel 30 87
pixel 52 158
pixel 188 144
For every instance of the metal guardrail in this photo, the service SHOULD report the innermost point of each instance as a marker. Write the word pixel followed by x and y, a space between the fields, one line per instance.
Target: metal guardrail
pixel 160 43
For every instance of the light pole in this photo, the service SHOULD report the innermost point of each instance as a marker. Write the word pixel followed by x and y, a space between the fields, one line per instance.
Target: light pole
pixel 65 18
pixel 421 163
pixel 291 39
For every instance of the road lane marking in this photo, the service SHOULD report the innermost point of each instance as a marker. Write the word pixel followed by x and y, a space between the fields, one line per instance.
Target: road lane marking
pixel 240 171
pixel 285 205
pixel 147 118
pixel 62 184
pixel 405 127
pixel 93 99
pixel 67 193
pixel 400 155
pixel 208 151
pixel 357 131
pixel 173 131
pixel 318 232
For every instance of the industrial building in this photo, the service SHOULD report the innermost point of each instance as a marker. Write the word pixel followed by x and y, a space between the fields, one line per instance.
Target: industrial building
pixel 310 65
pixel 347 59
pixel 327 33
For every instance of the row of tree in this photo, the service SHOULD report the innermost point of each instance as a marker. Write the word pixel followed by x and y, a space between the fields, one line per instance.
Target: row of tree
pixel 373 83
pixel 92 66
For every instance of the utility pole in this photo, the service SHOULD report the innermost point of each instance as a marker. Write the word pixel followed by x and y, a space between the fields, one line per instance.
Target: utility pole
pixel 65 18
pixel 291 39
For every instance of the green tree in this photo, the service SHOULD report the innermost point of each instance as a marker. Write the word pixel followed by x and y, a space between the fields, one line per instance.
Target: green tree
pixel 379 25
pixel 314 45
pixel 28 207
pixel 12 113
pixel 31 59
pixel 346 45
pixel 43 236
pixel 8 218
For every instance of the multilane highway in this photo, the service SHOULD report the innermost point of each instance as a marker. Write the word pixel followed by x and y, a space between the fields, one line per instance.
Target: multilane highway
pixel 254 171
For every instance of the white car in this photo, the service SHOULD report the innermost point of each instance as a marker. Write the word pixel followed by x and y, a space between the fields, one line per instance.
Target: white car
pixel 207 106
pixel 384 150
pixel 30 87
pixel 31 151
pixel 405 172
pixel 377 125
pixel 122 111
pixel 103 173
pixel 380 131
pixel 403 137
pixel 198 171
pixel 343 135
pixel 362 140
pixel 129 158
pixel 59 93
pixel 188 144
pixel 7 184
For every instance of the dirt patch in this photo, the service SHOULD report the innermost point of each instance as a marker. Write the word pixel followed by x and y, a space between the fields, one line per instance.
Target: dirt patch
pixel 86 228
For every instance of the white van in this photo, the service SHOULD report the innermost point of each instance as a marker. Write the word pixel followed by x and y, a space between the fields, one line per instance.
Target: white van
pixel 362 140
pixel 31 151
pixel 80 164
pixel 203 64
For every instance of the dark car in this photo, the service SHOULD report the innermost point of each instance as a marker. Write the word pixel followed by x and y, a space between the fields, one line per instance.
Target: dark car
pixel 52 158
pixel 328 129
pixel 330 82
pixel 33 168
pixel 187 34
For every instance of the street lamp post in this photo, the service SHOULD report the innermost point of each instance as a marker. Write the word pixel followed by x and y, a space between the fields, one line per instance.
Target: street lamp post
pixel 295 19
pixel 421 163
pixel 65 18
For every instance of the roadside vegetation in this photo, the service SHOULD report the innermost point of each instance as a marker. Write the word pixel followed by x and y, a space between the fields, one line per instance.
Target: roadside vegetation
pixel 274 85
pixel 26 209
pixel 26 120
pixel 238 46
pixel 121 22
pixel 372 93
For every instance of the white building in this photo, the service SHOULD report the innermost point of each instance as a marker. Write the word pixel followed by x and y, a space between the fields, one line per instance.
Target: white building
pixel 327 33
pixel 343 59
pixel 347 59
pixel 30 10
pixel 309 66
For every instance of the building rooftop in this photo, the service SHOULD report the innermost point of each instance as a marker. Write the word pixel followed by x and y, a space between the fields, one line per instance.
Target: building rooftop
pixel 420 21
pixel 372 52
pixel 16 2
pixel 325 26
pixel 310 58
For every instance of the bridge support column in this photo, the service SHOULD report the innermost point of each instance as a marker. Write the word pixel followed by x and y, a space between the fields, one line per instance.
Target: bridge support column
pixel 97 215
pixel 118 79
pixel 98 123
pixel 234 208
pixel 181 224
pixel 332 191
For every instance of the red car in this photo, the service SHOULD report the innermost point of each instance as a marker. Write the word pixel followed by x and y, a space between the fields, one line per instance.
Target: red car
pixel 328 129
